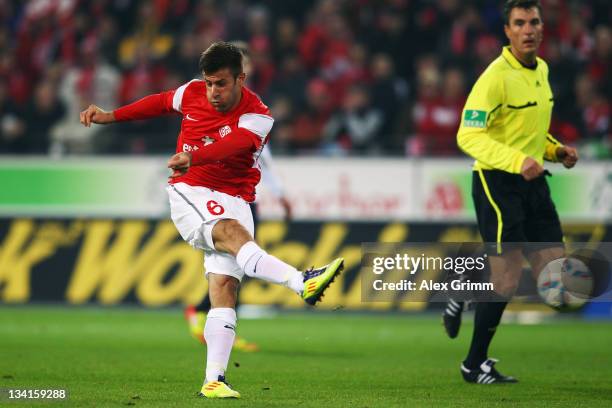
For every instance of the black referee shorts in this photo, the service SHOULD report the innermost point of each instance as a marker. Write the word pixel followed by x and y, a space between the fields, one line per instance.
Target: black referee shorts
pixel 510 209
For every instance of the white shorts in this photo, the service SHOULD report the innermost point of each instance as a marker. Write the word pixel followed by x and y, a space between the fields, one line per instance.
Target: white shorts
pixel 196 210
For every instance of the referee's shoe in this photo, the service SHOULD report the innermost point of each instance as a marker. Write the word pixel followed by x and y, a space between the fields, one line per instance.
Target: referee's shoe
pixel 486 374
pixel 451 317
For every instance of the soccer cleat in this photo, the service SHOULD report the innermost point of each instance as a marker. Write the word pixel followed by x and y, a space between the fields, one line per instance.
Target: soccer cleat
pixel 451 317
pixel 486 374
pixel 218 389
pixel 317 280
pixel 197 320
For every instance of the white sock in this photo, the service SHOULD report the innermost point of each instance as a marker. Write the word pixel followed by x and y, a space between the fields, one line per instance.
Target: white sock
pixel 257 263
pixel 219 332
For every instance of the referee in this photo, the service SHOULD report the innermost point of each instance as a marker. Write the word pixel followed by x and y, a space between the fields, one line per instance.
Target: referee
pixel 504 128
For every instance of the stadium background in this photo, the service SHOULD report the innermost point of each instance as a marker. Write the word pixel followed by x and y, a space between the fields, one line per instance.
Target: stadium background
pixel 367 96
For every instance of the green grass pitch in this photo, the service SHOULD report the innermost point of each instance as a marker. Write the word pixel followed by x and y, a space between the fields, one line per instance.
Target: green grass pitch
pixel 122 357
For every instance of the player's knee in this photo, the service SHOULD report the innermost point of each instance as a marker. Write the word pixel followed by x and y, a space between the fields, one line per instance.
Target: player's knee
pixel 223 290
pixel 229 236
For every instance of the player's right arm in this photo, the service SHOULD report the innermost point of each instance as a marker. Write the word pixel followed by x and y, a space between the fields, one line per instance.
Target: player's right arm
pixel 148 107
pixel 482 107
pixel 95 114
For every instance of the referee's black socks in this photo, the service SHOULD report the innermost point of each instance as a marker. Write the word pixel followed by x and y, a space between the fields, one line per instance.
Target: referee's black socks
pixel 486 319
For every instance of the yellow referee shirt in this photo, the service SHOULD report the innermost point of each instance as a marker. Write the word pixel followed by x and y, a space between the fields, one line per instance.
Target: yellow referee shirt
pixel 507 115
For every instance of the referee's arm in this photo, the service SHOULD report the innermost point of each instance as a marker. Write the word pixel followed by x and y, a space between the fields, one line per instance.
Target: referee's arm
pixel 481 109
pixel 552 144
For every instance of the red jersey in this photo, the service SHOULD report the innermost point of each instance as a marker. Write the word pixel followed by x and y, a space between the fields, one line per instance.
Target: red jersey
pixel 247 126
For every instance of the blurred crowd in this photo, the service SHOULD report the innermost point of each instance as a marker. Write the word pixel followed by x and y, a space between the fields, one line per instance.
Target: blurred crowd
pixel 342 77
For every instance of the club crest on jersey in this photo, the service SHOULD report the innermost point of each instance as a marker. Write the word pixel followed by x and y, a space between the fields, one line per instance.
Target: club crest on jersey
pixel 207 140
pixel 225 130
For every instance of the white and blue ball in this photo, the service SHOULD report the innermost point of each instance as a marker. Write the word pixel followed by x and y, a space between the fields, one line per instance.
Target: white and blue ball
pixel 565 283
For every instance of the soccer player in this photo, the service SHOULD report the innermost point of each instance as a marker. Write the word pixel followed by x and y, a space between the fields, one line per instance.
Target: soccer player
pixel 504 127
pixel 196 315
pixel 214 173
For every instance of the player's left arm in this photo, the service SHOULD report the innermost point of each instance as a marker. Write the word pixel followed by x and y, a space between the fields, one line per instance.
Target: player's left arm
pixel 557 152
pixel 239 141
pixel 248 136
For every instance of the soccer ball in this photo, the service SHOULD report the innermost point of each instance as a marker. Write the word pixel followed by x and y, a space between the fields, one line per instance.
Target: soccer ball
pixel 565 283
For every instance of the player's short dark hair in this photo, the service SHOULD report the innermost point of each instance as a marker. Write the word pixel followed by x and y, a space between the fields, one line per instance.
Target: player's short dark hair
pixel 219 56
pixel 242 46
pixel 524 4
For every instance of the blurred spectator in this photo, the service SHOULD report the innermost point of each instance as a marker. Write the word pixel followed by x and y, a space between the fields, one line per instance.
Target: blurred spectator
pixel 263 69
pixel 144 77
pixel 436 113
pixel 465 31
pixel 581 41
pixel 487 48
pixel 40 116
pixel 286 39
pixel 12 126
pixel 356 126
pixel 600 65
pixel 207 24
pixel 389 94
pixel 17 83
pixel 307 128
pixel 290 81
pixel 141 137
pixel 556 25
pixel 235 13
pixel 307 57
pixel 92 80
pixel 185 57
pixel 562 73
pixel 392 35
pixel 356 72
pixel 313 41
pixel 146 38
pixel 282 111
pixel 593 108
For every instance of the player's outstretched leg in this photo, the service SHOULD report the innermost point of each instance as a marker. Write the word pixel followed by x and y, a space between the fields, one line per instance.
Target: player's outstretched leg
pixel 257 263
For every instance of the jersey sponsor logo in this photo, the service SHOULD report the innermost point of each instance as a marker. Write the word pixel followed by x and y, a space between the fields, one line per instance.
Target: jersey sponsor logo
pixel 190 118
pixel 225 130
pixel 475 118
pixel 189 148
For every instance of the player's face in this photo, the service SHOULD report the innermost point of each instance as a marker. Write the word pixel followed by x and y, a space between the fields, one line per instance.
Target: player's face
pixel 524 30
pixel 223 91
